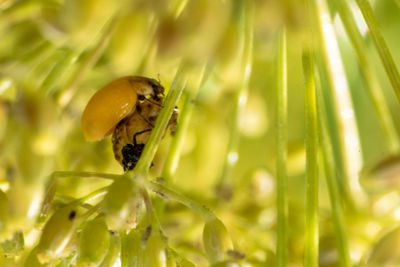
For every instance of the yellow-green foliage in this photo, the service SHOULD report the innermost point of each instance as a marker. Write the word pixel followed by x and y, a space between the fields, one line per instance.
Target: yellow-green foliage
pixel 236 184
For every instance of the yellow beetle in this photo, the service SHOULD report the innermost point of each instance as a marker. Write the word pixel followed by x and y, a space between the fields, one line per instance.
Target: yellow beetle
pixel 127 107
pixel 115 101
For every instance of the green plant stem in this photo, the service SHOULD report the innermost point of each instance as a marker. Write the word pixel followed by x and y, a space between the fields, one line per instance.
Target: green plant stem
pixel 334 196
pixel 38 54
pixel 77 174
pixel 150 149
pixel 343 130
pixel 27 10
pixel 381 46
pixel 151 212
pixel 240 97
pixel 52 184
pixel 373 87
pixel 71 86
pixel 179 137
pixel 68 199
pixel 58 70
pixel 167 193
pixel 93 195
pixel 147 49
pixel 281 152
pixel 311 142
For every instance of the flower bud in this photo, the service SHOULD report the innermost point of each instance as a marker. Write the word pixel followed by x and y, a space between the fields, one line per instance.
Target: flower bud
pixel 32 260
pixel 179 260
pixel 155 250
pixel 145 248
pixel 94 243
pixel 119 204
pixel 185 263
pixel 57 233
pixel 131 252
pixel 23 211
pixel 113 250
pixel 216 240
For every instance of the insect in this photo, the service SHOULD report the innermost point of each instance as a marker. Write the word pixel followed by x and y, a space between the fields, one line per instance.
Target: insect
pixel 127 107
pixel 131 134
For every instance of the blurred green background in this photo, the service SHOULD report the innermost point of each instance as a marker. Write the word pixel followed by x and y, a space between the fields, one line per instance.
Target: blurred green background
pixel 55 54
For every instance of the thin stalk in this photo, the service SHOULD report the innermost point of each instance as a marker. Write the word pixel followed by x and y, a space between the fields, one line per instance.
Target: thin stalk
pixel 334 195
pixel 381 46
pixel 163 118
pixel 52 185
pixel 38 54
pixel 337 97
pixel 167 193
pixel 58 70
pixel 311 143
pixel 240 97
pixel 93 195
pixel 22 11
pixel 281 140
pixel 77 174
pixel 177 142
pixel 373 87
pixel 68 199
pixel 72 84
pixel 124 250
pixel 148 47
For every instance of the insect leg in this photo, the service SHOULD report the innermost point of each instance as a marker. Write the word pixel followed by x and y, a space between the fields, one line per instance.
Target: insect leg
pixel 154 103
pixel 139 111
pixel 138 133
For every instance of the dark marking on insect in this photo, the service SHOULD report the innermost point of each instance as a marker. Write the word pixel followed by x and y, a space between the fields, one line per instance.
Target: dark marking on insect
pixel 72 215
pixel 131 155
pixel 156 90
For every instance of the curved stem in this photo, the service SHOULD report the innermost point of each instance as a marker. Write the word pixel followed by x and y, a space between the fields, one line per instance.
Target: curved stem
pixel 281 151
pixel 381 46
pixel 179 137
pixel 93 195
pixel 373 88
pixel 334 195
pixel 311 238
pixel 78 174
pixel 240 97
pixel 150 149
pixel 68 91
pixel 167 193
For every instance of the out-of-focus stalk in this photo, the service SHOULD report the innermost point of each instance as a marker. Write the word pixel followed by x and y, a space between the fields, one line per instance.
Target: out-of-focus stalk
pixel 281 152
pixel 240 97
pixel 311 234
pixel 331 67
pixel 373 87
pixel 58 71
pixel 381 46
pixel 334 195
pixel 72 84
pixel 167 193
pixel 177 142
